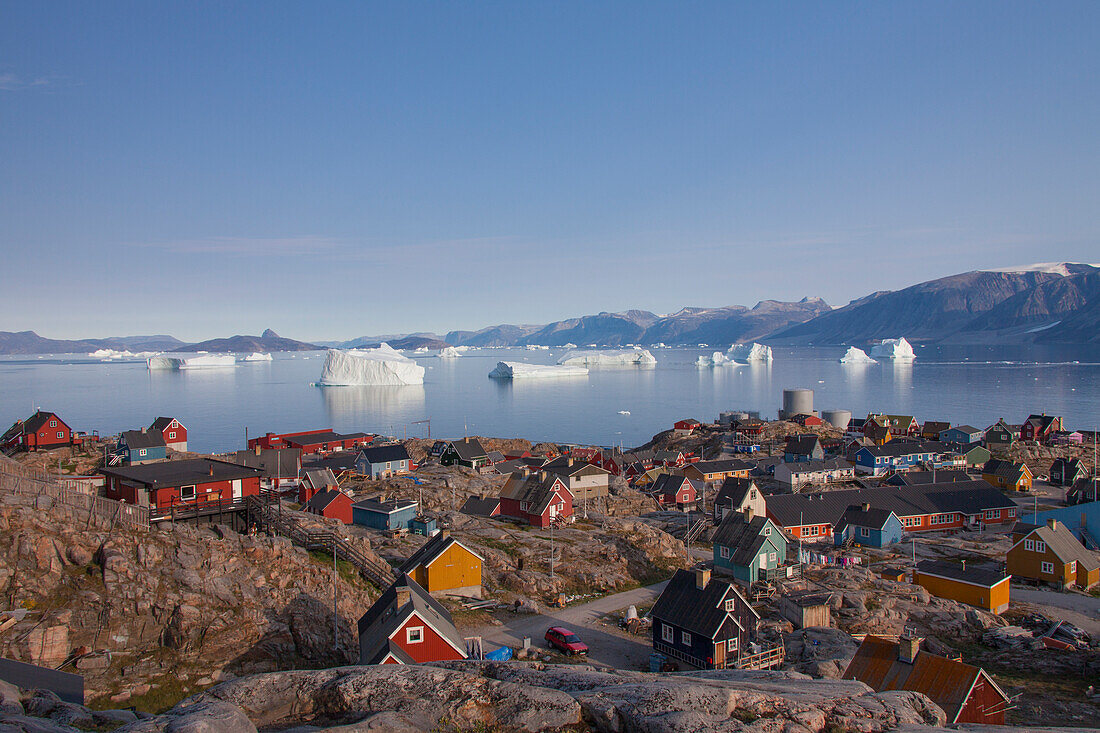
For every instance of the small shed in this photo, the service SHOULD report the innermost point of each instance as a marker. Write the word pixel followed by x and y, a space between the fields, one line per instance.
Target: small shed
pixel 806 609
pixel 422 525
pixel 384 515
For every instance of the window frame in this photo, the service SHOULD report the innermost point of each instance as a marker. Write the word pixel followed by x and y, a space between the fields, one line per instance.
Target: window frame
pixel 1046 567
pixel 194 493
pixel 723 552
pixel 419 632
pixel 685 638
pixel 668 633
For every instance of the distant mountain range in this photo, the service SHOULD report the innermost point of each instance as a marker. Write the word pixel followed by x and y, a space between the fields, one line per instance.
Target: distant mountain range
pixel 1046 303
pixel 267 341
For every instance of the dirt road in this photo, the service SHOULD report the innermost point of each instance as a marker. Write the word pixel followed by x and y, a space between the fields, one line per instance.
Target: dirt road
pixel 612 650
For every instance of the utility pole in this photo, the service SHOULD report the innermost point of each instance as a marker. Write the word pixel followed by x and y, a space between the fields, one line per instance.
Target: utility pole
pixel 551 548
pixel 335 612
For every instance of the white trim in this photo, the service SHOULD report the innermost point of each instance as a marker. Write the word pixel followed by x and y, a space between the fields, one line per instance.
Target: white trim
pixel 427 623
pixel 390 655
pixel 447 547
pixel 409 630
pixel 1005 579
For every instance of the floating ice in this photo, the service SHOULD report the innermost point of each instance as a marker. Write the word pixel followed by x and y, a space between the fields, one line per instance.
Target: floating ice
pixel 449 352
pixel 519 370
pixel 616 357
pixel 717 359
pixel 111 354
pixel 750 352
pixel 570 345
pixel 421 350
pixel 624 412
pixel 856 356
pixel 893 349
pixel 257 356
pixel 206 361
pixel 383 366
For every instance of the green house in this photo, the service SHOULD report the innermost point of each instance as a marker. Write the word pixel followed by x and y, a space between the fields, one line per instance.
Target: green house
pixel 750 548
pixel 466 452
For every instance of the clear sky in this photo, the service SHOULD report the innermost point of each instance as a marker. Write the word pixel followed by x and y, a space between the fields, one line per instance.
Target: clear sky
pixel 332 170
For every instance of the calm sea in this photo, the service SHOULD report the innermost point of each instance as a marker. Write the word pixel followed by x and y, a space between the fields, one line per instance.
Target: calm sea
pixel 974 385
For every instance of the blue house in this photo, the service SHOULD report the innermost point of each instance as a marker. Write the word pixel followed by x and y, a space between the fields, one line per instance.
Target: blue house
pixel 869 527
pixel 703 621
pixel 963 434
pixel 750 548
pixel 136 447
pixel 382 461
pixel 897 455
pixel 384 515
pixel 803 448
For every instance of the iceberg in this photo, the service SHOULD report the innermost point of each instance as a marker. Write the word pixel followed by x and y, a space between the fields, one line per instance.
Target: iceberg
pixel 617 357
pixel 537 347
pixel 519 370
pixel 449 352
pixel 206 361
pixel 421 350
pixel 894 349
pixel 750 352
pixel 716 359
pixel 856 356
pixel 383 366
pixel 569 345
pixel 111 354
pixel 257 356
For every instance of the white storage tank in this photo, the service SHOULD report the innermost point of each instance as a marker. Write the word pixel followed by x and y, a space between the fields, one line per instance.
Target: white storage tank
pixel 837 418
pixel 797 402
pixel 729 417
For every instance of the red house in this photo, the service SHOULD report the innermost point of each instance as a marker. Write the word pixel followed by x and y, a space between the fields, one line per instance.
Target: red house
pixel 194 484
pixel 40 431
pixel 314 481
pixel 536 498
pixel 331 504
pixel 808 421
pixel 676 492
pixel 312 441
pixel 685 427
pixel 407 626
pixel 173 431
pixel 1040 428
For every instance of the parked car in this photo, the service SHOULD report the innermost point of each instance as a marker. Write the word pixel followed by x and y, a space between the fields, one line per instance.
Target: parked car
pixel 565 641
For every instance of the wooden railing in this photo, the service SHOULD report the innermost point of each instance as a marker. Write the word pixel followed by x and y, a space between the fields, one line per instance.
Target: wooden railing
pixel 764 660
pixel 265 512
pixel 19 479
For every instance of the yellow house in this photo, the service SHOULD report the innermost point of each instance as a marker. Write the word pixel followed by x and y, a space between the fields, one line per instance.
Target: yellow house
pixel 1050 553
pixel 1007 475
pixel 985 589
pixel 444 566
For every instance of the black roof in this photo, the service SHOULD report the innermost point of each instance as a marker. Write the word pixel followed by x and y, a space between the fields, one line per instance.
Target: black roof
pixel 857 516
pixel 274 462
pixel 31 424
pixel 324 436
pixel 735 490
pixel 700 611
pixel 826 507
pixel 385 453
pixel 668 483
pixel 342 461
pixel 468 449
pixel 384 507
pixel 182 473
pixel 897 448
pixel 802 445
pixel 480 506
pixel 955 571
pixel 161 423
pixel 136 439
pixel 723 465
pixel 742 535
pixel 322 499
pixel 914 478
pixel 566 466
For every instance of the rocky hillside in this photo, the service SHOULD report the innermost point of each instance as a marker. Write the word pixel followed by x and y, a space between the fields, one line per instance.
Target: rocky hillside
pixel 149 616
pixel 29 342
pixel 267 341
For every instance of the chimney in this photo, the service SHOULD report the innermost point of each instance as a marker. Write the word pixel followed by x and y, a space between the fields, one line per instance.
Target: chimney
pixel 748 513
pixel 569 462
pixel 542 475
pixel 403 595
pixel 144 430
pixel 1053 524
pixel 258 449
pixel 908 647
pixel 866 506
pixel 211 469
pixel 702 577
pixel 964 565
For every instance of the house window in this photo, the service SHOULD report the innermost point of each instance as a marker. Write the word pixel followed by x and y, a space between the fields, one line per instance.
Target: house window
pixel 771 557
pixel 1040 546
pixel 53 423
pixel 1011 512
pixel 142 452
pixel 1073 566
pixel 767 531
pixel 187 493
pixel 724 553
pixel 731 645
pixel 414 634
pixel 668 634
pixel 171 436
pixel 815 531
pixel 752 493
pixel 685 638
pixel 60 434
pixel 864 532
pixel 731 604
pixel 1048 567
pixel 1029 545
pixel 992 513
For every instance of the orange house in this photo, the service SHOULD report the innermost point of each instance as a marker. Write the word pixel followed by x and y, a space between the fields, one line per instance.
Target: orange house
pixel 445 566
pixel 1049 553
pixel 986 589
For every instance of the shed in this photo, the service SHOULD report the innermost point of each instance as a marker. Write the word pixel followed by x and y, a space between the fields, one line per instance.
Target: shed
pixel 806 609
pixel 986 589
pixel 384 515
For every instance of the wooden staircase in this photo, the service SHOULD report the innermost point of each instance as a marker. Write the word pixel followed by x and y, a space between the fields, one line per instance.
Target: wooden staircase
pixel 264 511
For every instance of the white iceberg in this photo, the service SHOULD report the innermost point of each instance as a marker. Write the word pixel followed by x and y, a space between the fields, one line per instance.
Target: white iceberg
pixel 615 357
pixel 537 347
pixel 569 345
pixel 422 350
pixel 894 349
pixel 717 359
pixel 750 352
pixel 856 356
pixel 449 352
pixel 206 361
pixel 383 367
pixel 111 354
pixel 519 370
pixel 257 356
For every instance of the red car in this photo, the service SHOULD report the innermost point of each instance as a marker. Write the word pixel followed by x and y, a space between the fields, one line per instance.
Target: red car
pixel 565 641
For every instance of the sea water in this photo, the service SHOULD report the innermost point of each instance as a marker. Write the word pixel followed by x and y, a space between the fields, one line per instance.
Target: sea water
pixel 974 385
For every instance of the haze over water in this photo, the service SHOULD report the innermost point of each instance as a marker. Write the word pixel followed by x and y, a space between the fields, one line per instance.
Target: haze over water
pixel 974 385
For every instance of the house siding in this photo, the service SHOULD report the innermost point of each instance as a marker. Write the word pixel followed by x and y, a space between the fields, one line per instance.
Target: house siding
pixel 994 599
pixel 434 648
pixel 454 569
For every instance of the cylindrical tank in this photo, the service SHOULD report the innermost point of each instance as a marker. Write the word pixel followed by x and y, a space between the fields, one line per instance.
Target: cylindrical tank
pixel 798 402
pixel 837 418
pixel 729 417
pixel 754 414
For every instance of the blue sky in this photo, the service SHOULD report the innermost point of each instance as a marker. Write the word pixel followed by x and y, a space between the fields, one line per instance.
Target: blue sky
pixel 332 170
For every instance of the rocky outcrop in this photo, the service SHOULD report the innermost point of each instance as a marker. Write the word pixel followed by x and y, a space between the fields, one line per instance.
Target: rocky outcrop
pixel 537 697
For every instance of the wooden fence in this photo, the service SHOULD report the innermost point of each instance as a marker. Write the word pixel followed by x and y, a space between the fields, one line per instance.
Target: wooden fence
pixel 18 479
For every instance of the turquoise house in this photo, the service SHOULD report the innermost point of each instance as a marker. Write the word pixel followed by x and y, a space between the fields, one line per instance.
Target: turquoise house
pixel 750 548
pixel 384 515
pixel 868 527
pixel 136 447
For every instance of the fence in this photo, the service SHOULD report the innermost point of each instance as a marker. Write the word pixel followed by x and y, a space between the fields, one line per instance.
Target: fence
pixel 18 479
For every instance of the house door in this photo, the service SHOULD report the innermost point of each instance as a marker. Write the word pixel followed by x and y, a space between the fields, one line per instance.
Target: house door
pixel 763 561
pixel 720 655
pixel 238 491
